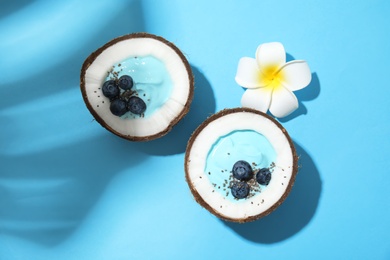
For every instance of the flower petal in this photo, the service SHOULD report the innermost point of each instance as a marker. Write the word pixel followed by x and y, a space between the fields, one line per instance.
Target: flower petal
pixel 283 102
pixel 258 98
pixel 295 75
pixel 270 55
pixel 248 73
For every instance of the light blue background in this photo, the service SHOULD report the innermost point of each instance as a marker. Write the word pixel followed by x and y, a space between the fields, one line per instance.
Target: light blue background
pixel 71 190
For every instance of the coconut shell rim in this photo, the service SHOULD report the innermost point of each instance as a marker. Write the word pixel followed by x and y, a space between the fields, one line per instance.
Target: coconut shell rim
pixel 92 57
pixel 195 193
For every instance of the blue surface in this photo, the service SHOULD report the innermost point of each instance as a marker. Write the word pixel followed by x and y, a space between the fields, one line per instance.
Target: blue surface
pixel 71 190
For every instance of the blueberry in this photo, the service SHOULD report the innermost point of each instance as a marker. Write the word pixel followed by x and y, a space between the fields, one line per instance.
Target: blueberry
pixel 242 171
pixel 240 190
pixel 125 82
pixel 118 107
pixel 110 89
pixel 263 176
pixel 136 105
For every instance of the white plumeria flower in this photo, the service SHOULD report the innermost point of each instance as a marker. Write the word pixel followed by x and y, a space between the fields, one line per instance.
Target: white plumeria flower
pixel 270 81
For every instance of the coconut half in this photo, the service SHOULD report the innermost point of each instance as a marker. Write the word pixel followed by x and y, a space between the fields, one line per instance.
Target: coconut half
pixel 239 134
pixel 153 62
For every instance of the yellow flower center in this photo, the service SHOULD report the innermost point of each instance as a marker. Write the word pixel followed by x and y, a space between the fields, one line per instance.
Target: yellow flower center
pixel 271 77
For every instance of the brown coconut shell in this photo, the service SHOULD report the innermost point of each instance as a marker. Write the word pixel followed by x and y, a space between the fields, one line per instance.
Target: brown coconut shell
pixel 91 58
pixel 204 203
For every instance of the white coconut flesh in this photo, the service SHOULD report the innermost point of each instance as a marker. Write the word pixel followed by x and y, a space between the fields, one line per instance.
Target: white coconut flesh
pixel 283 173
pixel 96 74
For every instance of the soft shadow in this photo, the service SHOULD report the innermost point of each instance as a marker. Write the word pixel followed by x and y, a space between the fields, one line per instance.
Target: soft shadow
pixel 13 6
pixel 48 202
pixel 294 214
pixel 311 92
pixel 67 73
pixel 46 195
pixel 202 106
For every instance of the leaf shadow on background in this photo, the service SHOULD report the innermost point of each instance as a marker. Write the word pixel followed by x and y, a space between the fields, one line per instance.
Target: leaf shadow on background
pixel 45 196
pixel 311 92
pixel 296 211
pixel 202 106
pixel 66 74
pixel 48 203
pixel 13 6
